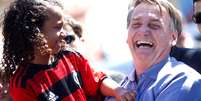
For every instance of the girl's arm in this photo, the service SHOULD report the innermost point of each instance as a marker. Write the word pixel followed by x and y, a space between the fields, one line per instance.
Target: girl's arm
pixel 111 88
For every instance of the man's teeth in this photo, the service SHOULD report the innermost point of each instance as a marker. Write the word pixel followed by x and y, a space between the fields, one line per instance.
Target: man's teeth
pixel 144 44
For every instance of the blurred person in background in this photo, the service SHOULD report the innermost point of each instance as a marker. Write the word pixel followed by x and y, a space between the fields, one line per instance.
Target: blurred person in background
pixel 153 29
pixel 75 32
pixel 197 13
pixel 192 57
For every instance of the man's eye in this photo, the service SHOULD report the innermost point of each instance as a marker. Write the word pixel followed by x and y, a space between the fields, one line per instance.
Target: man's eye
pixel 135 25
pixel 154 26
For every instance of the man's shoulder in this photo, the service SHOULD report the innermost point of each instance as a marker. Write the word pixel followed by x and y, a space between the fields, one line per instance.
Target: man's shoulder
pixel 177 74
pixel 176 69
pixel 180 66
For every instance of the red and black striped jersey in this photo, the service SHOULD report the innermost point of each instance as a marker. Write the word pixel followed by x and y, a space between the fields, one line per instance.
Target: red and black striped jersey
pixel 69 78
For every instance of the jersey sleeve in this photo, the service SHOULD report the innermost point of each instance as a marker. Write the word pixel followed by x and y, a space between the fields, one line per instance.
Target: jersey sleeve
pixel 91 79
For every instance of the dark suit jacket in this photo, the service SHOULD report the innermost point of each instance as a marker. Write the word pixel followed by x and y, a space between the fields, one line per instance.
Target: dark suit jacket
pixel 191 57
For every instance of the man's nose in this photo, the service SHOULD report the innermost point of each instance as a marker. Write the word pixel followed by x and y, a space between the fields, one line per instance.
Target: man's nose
pixel 144 30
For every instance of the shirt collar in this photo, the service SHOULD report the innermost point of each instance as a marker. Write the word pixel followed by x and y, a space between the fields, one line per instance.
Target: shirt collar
pixel 153 71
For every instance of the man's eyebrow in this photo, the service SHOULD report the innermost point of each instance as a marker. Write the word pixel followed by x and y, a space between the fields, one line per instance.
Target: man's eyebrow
pixel 153 19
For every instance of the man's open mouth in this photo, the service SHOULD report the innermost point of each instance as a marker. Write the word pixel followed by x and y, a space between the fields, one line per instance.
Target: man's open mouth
pixel 144 44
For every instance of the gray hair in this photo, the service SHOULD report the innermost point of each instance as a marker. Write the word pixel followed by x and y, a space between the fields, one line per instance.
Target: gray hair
pixel 174 13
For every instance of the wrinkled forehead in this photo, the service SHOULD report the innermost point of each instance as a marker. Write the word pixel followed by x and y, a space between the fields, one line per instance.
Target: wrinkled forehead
pixel 151 10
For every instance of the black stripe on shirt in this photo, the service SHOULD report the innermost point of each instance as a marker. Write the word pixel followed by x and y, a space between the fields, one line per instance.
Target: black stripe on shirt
pixel 34 69
pixel 62 88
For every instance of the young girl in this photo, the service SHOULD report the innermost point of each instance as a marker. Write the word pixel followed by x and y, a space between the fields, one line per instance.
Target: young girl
pixel 36 64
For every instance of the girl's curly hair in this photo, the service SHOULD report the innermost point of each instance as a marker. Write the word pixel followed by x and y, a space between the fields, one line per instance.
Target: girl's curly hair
pixel 21 33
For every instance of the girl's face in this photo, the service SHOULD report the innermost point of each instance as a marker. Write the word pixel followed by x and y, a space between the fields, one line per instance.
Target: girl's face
pixel 53 29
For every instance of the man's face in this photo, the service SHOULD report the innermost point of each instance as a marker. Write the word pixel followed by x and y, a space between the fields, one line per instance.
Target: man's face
pixel 149 35
pixel 197 9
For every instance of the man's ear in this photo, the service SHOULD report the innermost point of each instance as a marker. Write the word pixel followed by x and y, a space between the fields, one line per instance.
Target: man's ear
pixel 174 38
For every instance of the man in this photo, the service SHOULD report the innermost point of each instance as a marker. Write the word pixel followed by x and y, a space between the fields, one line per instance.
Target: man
pixel 152 32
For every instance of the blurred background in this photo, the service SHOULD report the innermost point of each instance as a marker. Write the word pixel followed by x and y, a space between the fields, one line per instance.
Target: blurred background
pixel 104 37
